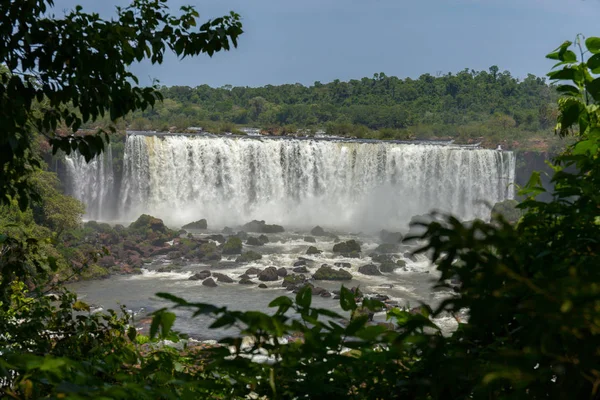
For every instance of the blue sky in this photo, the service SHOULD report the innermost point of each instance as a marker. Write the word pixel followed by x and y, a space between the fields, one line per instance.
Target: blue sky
pixel 289 41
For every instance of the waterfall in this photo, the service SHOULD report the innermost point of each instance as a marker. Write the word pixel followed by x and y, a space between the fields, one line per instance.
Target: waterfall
pixel 302 183
pixel 92 183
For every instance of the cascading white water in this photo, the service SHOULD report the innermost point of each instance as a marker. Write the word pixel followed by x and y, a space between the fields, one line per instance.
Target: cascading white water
pixel 303 183
pixel 92 183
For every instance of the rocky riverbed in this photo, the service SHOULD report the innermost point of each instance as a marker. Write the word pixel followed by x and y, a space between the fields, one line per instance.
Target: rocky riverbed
pixel 246 267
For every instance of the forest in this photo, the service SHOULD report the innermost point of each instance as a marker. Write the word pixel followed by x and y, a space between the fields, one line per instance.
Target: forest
pixel 470 106
pixel 530 283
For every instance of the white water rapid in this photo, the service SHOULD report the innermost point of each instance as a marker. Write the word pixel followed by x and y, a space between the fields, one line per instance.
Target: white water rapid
pixel 354 186
pixel 92 183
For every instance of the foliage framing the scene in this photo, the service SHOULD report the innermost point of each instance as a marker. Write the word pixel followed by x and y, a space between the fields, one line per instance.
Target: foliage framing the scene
pixel 532 290
pixel 71 70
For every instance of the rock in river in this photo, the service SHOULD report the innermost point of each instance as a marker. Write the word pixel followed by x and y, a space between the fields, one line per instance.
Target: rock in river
pixel 369 269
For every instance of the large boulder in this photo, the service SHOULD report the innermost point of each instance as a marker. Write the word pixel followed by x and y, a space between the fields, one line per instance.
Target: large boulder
pixel 347 247
pixel 293 280
pixel 401 263
pixel 200 224
pixel 222 278
pixel 262 227
pixel 263 239
pixel 313 250
pixel 369 269
pixel 254 241
pixel 327 273
pixel 208 252
pixel 273 229
pixel 242 235
pixel 200 276
pixel 227 231
pixel 310 239
pixel 249 256
pixel 282 272
pixel 390 237
pixel 318 231
pixel 232 246
pixel 209 282
pixel 300 270
pixel 299 263
pixel 146 221
pixel 388 267
pixel 252 271
pixel 246 281
pixel 268 274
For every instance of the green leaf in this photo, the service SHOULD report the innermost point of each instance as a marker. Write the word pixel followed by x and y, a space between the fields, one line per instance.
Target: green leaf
pixel 585 147
pixel 593 63
pixel 593 44
pixel 281 301
pixel 568 90
pixel 567 74
pixel 593 88
pixel 347 301
pixel 304 297
pixel 131 333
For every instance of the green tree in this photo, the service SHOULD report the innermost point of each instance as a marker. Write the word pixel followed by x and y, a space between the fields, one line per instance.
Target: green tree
pixel 74 69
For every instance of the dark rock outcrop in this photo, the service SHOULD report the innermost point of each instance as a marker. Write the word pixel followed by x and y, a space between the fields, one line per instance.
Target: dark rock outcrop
pixel 300 270
pixel 388 267
pixel 222 278
pixel 200 224
pixel 200 276
pixel 252 271
pixel 262 286
pixel 262 227
pixel 209 282
pixel 232 246
pixel 254 241
pixel 313 250
pixel 347 247
pixel 282 272
pixel 327 273
pixel 310 239
pixel 269 274
pixel 318 231
pixel 369 269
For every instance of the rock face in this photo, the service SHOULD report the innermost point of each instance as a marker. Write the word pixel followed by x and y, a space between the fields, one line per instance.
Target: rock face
pixel 254 241
pixel 390 237
pixel 232 246
pixel 318 231
pixel 388 267
pixel 310 239
pixel 249 256
pixel 327 273
pixel 282 272
pixel 269 274
pixel 200 276
pixel 209 282
pixel 300 270
pixel 313 250
pixel 200 224
pixel 262 227
pixel 222 278
pixel 263 239
pixel 369 269
pixel 227 231
pixel 351 249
